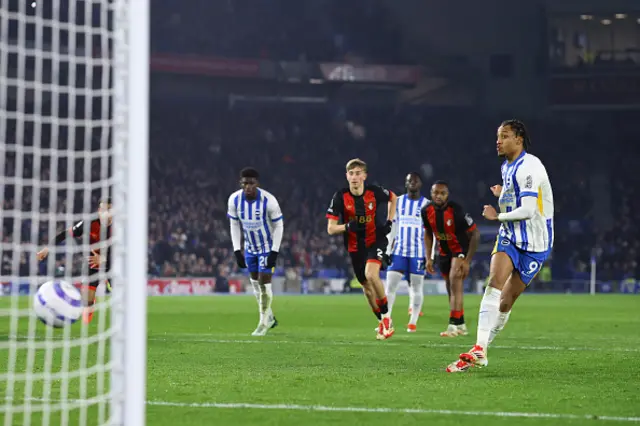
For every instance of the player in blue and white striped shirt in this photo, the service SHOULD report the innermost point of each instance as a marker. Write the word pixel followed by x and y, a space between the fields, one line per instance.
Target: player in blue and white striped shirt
pixel 406 247
pixel 258 213
pixel 524 242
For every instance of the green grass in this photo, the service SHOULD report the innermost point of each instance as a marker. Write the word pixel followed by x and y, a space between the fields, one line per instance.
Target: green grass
pixel 562 354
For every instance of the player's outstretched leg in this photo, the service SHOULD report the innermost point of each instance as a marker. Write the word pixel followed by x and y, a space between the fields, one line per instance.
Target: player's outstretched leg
pixel 372 274
pixel 417 298
pixel 500 270
pixel 393 281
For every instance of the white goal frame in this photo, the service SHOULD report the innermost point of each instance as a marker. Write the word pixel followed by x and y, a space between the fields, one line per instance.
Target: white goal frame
pixel 131 144
pixel 127 71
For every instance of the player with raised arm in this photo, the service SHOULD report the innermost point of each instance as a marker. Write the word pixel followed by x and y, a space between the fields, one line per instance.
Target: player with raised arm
pixel 406 248
pixel 363 214
pixel 458 239
pixel 524 240
pixel 97 261
pixel 256 213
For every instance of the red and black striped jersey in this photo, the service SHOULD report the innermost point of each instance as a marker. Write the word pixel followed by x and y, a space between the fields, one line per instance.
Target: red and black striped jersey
pixel 95 229
pixel 95 235
pixel 450 224
pixel 370 209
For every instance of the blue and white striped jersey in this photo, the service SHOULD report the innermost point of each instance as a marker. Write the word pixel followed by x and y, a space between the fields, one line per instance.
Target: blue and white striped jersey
pixel 527 177
pixel 409 239
pixel 256 217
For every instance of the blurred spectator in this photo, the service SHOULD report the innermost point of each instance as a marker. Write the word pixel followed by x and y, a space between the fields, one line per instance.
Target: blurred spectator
pixel 301 152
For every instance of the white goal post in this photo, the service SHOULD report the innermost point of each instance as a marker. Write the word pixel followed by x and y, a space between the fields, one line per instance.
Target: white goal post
pixel 74 82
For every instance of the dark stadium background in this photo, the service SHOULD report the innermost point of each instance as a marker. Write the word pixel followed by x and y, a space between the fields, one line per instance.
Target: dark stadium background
pixel 296 89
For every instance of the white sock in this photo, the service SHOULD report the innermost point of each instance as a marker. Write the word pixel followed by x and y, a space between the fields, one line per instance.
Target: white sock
pixel 256 290
pixel 488 315
pixel 410 299
pixel 503 317
pixel 416 296
pixel 266 296
pixel 393 281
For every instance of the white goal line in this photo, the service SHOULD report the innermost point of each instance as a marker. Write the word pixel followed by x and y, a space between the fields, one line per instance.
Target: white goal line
pixel 423 411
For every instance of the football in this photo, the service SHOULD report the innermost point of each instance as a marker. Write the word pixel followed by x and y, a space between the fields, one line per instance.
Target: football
pixel 57 303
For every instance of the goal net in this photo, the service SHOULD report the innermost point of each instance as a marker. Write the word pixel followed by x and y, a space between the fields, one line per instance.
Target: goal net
pixel 73 123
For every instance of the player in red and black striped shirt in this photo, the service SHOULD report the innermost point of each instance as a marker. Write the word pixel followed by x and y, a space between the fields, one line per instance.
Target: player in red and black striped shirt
pixel 458 239
pixel 365 213
pixel 99 230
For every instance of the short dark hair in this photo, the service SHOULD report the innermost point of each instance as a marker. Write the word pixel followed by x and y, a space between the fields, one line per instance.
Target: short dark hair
pixel 249 172
pixel 441 182
pixel 106 200
pixel 416 174
pixel 519 129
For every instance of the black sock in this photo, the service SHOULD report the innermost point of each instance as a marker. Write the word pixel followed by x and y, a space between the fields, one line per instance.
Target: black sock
pixel 378 314
pixel 456 321
pixel 383 305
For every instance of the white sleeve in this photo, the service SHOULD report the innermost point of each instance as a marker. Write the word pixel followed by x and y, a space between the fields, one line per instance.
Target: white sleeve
pixel 236 232
pixel 232 211
pixel 392 235
pixel 275 215
pixel 526 211
pixel 273 209
pixel 278 231
pixel 528 179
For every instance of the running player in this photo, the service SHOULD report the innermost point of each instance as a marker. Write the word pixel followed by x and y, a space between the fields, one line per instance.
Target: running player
pixel 458 239
pixel 366 212
pixel 406 248
pixel 258 213
pixel 524 240
pixel 96 260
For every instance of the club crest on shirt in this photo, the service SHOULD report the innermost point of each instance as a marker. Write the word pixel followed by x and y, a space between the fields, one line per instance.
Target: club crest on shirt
pixel 468 219
pixel 529 182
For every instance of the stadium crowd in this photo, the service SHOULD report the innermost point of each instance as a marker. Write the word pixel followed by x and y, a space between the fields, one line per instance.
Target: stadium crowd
pixel 301 156
pixel 288 30
pixel 197 152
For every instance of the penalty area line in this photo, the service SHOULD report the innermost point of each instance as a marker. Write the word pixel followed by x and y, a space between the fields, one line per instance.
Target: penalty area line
pixel 324 408
pixel 203 338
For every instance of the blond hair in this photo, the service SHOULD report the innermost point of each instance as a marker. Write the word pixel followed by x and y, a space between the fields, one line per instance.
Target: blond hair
pixel 356 162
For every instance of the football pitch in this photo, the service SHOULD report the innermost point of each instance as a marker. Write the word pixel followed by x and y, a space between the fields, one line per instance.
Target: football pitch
pixel 561 360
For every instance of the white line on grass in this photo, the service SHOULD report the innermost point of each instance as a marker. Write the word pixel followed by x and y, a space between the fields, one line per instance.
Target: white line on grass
pixel 295 407
pixel 196 339
pixel 325 408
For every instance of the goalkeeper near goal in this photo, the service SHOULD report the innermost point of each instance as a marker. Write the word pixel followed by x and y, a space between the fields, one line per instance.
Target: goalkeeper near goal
pixel 96 260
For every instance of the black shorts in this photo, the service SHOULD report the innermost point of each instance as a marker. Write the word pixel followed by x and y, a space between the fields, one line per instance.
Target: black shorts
pixel 94 281
pixel 360 258
pixel 444 263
